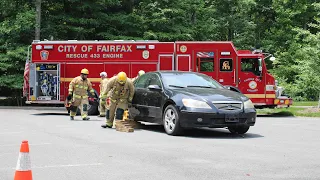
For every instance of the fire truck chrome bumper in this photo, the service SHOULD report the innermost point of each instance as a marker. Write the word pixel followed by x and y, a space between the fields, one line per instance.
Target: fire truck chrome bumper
pixel 44 102
pixel 192 119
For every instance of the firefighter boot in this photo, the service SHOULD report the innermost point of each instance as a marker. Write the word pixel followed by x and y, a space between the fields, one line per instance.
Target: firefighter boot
pixel 107 125
pixel 85 118
pixel 73 112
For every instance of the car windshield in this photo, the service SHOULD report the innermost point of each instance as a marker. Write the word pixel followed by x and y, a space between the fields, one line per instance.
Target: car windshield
pixel 183 80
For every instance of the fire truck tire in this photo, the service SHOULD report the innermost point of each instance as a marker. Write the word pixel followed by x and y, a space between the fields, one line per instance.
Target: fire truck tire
pixel 171 121
pixel 239 129
pixel 93 106
pixel 92 110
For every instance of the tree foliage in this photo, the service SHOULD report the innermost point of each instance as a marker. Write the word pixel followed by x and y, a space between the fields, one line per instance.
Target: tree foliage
pixel 288 29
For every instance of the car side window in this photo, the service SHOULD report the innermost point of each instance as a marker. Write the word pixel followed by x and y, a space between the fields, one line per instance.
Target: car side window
pixel 154 80
pixel 142 81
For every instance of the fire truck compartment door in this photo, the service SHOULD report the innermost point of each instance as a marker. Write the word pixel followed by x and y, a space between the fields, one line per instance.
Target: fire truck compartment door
pixel 47 82
pixel 73 70
pixel 137 66
pixel 183 62
pixel 227 71
pixel 165 62
pixel 113 68
pixel 250 82
pixel 32 81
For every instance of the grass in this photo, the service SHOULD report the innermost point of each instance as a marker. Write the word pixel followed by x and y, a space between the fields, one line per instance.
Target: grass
pixel 291 111
pixel 305 103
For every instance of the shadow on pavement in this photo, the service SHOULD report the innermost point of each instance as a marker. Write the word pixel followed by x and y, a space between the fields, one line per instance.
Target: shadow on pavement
pixel 214 133
pixel 279 114
pixel 85 121
pixel 51 114
pixel 77 118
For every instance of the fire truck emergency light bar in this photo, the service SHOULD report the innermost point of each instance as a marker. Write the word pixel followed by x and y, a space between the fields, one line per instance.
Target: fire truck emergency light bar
pixel 105 40
pixel 141 47
pixel 225 53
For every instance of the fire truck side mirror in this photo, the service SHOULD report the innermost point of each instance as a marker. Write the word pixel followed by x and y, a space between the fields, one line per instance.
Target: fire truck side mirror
pixel 260 66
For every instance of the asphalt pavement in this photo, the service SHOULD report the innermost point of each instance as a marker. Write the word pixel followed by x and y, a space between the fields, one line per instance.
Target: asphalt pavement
pixel 60 149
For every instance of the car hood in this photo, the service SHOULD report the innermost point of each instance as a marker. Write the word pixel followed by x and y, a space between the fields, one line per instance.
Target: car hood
pixel 209 94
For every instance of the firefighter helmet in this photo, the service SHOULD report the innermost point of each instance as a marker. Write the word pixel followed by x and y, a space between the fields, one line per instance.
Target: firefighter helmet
pixel 103 74
pixel 85 71
pixel 122 77
pixel 141 72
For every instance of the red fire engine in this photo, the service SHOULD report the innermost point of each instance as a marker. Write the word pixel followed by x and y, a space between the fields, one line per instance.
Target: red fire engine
pixel 54 64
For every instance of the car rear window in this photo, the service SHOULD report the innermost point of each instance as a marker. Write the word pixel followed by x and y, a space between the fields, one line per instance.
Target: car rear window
pixel 186 79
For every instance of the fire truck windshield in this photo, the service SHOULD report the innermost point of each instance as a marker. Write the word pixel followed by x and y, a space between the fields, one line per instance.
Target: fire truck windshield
pixel 251 65
pixel 189 80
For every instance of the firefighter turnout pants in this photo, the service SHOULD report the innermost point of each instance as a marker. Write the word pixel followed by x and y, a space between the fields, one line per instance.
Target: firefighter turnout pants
pixel 82 102
pixel 103 107
pixel 115 110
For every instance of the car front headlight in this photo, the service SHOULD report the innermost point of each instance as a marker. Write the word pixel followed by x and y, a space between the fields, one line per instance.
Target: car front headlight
pixel 248 104
pixel 195 104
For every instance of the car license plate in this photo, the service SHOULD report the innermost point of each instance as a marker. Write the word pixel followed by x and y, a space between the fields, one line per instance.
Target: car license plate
pixel 232 118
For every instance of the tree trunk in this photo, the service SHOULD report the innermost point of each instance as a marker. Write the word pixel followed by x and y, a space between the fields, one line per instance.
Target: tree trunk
pixel 38 19
pixel 319 101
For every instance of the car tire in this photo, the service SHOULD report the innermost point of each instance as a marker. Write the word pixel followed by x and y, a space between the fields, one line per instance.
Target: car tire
pixel 171 121
pixel 92 110
pixel 239 129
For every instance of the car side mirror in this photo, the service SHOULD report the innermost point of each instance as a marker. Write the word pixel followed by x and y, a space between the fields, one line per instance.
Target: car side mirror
pixel 154 87
pixel 232 88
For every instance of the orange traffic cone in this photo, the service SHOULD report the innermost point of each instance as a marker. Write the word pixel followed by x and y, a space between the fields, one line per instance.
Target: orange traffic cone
pixel 23 169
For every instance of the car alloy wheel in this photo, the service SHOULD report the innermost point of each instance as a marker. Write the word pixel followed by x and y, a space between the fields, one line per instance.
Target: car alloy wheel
pixel 171 121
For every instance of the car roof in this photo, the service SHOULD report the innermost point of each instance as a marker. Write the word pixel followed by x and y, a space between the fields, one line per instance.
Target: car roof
pixel 174 72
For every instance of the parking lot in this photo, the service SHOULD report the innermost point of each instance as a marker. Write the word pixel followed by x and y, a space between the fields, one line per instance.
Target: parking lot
pixel 60 149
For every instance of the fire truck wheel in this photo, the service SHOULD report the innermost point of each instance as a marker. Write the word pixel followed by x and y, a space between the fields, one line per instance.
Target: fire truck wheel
pixel 92 109
pixel 171 121
pixel 239 129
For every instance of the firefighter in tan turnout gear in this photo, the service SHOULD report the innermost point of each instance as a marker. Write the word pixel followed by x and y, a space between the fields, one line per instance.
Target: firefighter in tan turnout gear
pixel 78 93
pixel 140 73
pixel 120 90
pixel 102 102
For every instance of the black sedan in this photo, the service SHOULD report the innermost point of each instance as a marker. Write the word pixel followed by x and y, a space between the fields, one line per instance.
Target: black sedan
pixel 180 100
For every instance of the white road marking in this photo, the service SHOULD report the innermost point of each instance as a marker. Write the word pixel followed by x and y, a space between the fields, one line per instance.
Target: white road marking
pixel 279 124
pixel 8 145
pixel 67 165
pixel 11 132
pixel 58 166
pixel 4 154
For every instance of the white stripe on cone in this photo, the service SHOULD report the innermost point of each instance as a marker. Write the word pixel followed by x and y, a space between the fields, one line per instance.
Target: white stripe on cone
pixel 24 163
